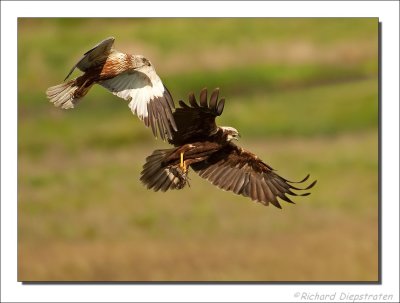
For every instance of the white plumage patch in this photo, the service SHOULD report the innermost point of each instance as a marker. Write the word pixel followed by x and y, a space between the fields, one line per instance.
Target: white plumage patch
pixel 62 95
pixel 136 87
pixel 229 129
pixel 139 100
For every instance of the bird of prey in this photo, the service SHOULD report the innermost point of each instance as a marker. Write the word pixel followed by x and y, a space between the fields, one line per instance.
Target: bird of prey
pixel 130 77
pixel 209 150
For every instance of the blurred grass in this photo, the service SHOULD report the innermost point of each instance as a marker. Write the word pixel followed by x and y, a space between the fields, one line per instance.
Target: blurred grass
pixel 302 92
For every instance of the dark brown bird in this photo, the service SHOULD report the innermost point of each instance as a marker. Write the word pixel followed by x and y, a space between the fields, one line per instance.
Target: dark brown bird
pixel 209 151
pixel 130 77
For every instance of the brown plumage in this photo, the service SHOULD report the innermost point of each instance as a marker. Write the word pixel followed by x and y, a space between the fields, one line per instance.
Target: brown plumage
pixel 210 152
pixel 130 77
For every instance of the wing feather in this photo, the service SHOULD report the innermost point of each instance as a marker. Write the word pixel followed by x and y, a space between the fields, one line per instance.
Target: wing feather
pixel 267 192
pixel 215 177
pixel 183 104
pixel 239 183
pixel 203 98
pixel 192 100
pixel 148 98
pixel 229 179
pixel 241 172
pixel 214 98
pixel 235 179
pixel 220 106
pixel 260 192
pixel 94 56
pixel 194 121
pixel 168 96
pixel 152 118
pixel 252 190
pixel 164 117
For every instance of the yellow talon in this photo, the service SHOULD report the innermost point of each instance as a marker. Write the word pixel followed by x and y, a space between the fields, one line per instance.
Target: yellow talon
pixel 182 165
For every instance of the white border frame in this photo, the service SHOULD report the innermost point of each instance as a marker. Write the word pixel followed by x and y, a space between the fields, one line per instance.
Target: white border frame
pixel 13 291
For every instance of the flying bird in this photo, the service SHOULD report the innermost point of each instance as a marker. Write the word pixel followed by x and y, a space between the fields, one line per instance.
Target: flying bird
pixel 209 150
pixel 130 77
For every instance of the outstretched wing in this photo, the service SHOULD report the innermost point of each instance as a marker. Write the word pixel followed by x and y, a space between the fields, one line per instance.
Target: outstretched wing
pixel 196 122
pixel 148 98
pixel 242 172
pixel 95 56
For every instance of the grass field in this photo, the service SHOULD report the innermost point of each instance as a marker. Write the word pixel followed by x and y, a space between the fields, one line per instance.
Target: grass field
pixel 303 94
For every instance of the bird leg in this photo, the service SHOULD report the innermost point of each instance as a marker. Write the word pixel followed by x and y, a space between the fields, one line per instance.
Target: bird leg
pixel 182 164
pixel 177 156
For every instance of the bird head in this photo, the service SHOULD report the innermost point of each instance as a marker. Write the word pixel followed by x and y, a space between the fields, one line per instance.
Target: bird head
pixel 141 61
pixel 230 133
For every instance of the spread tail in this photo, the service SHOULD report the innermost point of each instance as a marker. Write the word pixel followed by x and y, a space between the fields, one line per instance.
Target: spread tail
pixel 67 94
pixel 157 175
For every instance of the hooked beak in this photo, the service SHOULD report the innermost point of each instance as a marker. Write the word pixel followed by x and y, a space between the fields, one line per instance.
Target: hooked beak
pixel 235 137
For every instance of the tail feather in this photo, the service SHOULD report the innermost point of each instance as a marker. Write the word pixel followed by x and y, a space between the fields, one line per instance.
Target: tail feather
pixel 62 95
pixel 66 95
pixel 157 176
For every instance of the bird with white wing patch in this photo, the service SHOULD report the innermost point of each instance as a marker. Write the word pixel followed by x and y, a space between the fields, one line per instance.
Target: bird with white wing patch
pixel 130 77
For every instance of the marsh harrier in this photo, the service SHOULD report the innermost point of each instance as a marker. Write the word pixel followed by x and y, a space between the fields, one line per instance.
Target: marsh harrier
pixel 130 77
pixel 209 150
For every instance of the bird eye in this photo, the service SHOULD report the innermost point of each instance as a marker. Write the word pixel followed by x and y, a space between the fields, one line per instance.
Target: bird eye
pixel 146 62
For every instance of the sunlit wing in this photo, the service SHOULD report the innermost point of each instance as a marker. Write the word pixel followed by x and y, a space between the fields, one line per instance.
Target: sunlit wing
pixel 94 56
pixel 195 120
pixel 148 97
pixel 236 170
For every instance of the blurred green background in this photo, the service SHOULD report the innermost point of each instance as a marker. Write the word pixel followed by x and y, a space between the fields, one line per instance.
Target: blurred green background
pixel 304 95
